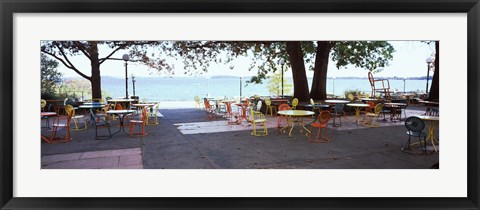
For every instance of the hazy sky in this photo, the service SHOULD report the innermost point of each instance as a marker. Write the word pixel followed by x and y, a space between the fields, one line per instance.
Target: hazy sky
pixel 408 61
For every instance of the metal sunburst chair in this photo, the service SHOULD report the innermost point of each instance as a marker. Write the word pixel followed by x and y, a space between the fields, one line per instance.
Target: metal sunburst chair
pixel 415 128
pixel 370 117
pixel 76 118
pixel 337 112
pixel 321 124
pixel 282 107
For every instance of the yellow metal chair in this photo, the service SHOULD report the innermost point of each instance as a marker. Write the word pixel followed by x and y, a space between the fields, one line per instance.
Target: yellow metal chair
pixel 350 97
pixel 269 107
pixel 257 118
pixel 153 114
pixel 43 103
pixel 198 104
pixel 372 116
pixel 68 109
pixel 294 103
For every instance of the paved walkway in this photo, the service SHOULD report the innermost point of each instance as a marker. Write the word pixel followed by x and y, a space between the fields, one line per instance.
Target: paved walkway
pixel 111 159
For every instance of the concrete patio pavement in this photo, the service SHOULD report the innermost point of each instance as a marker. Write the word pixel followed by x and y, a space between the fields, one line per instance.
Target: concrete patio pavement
pixel 166 147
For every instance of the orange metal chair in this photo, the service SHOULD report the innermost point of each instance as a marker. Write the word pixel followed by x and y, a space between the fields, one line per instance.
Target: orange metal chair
pixel 280 117
pixel 321 124
pixel 56 125
pixel 385 89
pixel 209 110
pixel 141 122
pixel 233 117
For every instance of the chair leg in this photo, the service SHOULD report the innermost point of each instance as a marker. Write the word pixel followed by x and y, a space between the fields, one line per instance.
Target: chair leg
pixel 265 131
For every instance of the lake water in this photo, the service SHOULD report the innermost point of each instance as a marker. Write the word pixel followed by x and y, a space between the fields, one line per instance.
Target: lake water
pixel 184 89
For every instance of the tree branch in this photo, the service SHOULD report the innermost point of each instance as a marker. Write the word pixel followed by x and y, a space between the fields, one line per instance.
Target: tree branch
pixel 82 49
pixel 110 55
pixel 66 62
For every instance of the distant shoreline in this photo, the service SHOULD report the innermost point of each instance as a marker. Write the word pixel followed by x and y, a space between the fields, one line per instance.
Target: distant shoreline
pixel 248 77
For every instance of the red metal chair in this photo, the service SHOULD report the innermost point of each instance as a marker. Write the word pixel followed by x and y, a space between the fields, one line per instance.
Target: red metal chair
pixel 233 117
pixel 57 125
pixel 209 110
pixel 141 122
pixel 321 124
pixel 282 107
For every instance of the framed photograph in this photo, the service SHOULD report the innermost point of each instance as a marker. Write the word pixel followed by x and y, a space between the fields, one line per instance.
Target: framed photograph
pixel 30 29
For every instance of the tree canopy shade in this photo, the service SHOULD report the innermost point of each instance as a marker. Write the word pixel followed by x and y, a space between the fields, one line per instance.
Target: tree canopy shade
pixel 198 55
pixel 64 50
pixel 50 77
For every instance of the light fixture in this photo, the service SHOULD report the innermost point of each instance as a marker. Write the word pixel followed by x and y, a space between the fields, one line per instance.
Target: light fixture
pixel 125 57
pixel 282 62
pixel 429 60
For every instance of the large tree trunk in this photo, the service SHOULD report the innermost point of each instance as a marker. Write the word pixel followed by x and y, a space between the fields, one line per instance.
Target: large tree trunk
pixel 95 79
pixel 300 84
pixel 434 89
pixel 319 82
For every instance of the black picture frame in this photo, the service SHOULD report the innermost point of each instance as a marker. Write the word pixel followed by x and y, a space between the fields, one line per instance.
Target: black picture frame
pixel 10 7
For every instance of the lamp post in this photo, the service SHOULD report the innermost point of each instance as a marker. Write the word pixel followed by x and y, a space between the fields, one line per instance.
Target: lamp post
pixel 126 58
pixel 404 84
pixel 429 60
pixel 240 89
pixel 282 62
pixel 334 87
pixel 133 81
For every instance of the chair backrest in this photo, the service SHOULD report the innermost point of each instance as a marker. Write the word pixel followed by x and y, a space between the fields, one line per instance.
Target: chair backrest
pixel 294 103
pixel 350 97
pixel 338 108
pixel 371 105
pixel 324 117
pixel 312 102
pixel 229 108
pixel 144 113
pixel 268 102
pixel 414 124
pixel 70 110
pixel 378 108
pixel 118 106
pixel 284 107
pixel 206 103
pixel 43 103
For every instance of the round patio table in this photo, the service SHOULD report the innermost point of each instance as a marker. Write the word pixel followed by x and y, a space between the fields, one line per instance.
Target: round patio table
pixel 432 122
pixel 337 101
pixel 120 114
pixel 299 114
pixel 92 106
pixel 357 110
